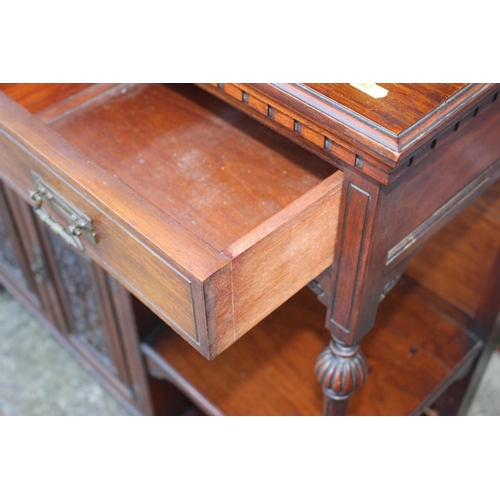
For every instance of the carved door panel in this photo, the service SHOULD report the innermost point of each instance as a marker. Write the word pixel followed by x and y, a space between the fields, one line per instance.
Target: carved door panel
pixel 91 321
pixel 87 310
pixel 14 263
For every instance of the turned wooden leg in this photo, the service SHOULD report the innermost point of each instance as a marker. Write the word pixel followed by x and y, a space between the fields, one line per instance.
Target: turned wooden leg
pixel 341 369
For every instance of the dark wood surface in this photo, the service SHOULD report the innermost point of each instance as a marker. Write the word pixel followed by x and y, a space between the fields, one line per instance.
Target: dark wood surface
pixel 346 138
pixel 74 302
pixel 270 370
pixel 83 308
pixel 190 244
pixel 199 160
pixel 214 271
pixel 421 322
pixel 454 166
pixel 36 97
pixel 403 106
pixel 22 267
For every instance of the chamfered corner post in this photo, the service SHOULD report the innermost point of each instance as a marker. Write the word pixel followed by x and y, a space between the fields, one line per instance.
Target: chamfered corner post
pixel 357 283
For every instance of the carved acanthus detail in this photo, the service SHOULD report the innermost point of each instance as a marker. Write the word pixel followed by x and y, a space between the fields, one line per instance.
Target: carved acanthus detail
pixel 341 370
pixel 86 317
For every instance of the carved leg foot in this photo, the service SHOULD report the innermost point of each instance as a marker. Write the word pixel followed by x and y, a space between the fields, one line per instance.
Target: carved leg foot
pixel 341 369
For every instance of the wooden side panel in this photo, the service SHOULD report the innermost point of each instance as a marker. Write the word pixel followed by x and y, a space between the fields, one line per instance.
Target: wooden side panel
pixel 454 165
pixel 287 257
pixel 351 258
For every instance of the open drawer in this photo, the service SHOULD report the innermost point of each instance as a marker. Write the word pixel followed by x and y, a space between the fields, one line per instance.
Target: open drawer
pixel 208 217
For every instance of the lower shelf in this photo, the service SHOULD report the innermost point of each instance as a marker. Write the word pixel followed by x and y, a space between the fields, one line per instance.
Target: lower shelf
pixel 415 351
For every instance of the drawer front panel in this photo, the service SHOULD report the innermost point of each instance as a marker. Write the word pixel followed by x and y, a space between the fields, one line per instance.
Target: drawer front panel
pixel 152 279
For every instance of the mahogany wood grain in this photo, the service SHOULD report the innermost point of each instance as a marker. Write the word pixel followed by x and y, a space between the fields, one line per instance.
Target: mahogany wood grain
pixel 448 170
pixel 366 135
pixel 36 97
pixel 403 106
pixel 14 259
pixel 27 142
pixel 486 323
pixel 190 200
pixel 137 266
pixel 130 318
pixel 269 371
pixel 225 261
pixel 461 264
pixel 331 130
pixel 361 250
pixel 202 162
pixel 121 326
pixel 279 257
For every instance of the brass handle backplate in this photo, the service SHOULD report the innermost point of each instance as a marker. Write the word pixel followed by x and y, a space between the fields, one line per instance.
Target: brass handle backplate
pixel 78 222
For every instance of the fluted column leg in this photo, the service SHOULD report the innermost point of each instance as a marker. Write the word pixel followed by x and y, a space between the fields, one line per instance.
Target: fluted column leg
pixel 341 370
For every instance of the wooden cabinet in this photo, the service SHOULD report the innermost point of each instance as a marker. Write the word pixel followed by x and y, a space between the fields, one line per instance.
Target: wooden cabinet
pixel 83 307
pixel 216 206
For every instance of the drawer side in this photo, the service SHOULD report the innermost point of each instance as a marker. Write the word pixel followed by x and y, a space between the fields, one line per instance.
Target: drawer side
pixel 277 259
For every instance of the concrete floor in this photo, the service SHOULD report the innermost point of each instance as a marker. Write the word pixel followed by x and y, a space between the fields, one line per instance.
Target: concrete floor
pixel 38 377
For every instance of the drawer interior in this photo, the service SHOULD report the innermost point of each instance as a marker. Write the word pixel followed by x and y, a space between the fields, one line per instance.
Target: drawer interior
pixel 216 171
pixel 208 217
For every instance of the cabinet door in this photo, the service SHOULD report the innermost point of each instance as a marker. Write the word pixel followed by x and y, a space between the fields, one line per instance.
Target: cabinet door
pixel 86 310
pixel 93 325
pixel 14 266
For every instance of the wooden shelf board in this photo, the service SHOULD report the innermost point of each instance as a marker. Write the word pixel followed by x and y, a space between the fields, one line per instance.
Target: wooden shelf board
pixel 413 352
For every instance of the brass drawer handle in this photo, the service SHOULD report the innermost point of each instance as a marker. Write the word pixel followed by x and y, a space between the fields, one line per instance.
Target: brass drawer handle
pixel 78 222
